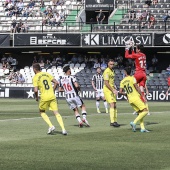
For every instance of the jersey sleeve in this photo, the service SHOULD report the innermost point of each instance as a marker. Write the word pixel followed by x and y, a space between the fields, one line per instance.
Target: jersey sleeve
pixel 93 78
pixel 35 82
pixel 121 85
pixel 134 80
pixel 132 56
pixel 106 75
pixel 74 79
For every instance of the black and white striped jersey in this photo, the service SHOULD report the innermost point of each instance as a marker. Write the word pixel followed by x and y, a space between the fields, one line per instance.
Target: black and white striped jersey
pixel 67 83
pixel 98 81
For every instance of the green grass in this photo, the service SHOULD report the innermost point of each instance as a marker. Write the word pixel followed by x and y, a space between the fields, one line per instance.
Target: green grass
pixel 25 145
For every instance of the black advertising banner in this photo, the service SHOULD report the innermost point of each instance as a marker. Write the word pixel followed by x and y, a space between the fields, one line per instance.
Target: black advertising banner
pixel 162 39
pixel 86 93
pixel 91 5
pixel 48 39
pixel 115 39
pixel 4 39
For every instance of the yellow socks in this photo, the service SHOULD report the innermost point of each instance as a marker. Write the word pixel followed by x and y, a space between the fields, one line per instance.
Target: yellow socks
pixel 141 116
pixel 142 126
pixel 60 121
pixel 112 120
pixel 115 115
pixel 46 119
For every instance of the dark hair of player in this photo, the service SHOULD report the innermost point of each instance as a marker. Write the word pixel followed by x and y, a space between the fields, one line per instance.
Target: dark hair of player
pixel 36 66
pixel 140 47
pixel 128 70
pixel 110 60
pixel 66 68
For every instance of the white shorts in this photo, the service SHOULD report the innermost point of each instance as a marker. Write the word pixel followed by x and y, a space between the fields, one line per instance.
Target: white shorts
pixel 74 102
pixel 99 93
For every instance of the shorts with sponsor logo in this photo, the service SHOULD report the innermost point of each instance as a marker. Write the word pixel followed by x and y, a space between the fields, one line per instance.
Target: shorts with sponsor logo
pixel 51 105
pixel 109 96
pixel 140 77
pixel 74 102
pixel 99 93
pixel 138 105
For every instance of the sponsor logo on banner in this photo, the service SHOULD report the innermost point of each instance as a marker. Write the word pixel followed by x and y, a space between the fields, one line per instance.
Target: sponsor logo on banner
pixel 116 39
pixel 99 4
pixel 162 39
pixel 166 38
pixel 4 92
pixel 47 39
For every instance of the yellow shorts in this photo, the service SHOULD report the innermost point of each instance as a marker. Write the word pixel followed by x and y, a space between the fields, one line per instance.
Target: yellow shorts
pixel 51 105
pixel 138 105
pixel 109 96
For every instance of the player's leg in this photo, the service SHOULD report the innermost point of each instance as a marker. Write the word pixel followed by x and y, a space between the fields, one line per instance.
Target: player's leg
pixel 142 113
pixel 42 107
pixel 98 101
pixel 105 102
pixel 53 106
pixel 84 114
pixel 78 118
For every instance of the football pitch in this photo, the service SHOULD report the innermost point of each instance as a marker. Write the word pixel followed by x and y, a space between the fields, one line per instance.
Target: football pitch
pixel 24 143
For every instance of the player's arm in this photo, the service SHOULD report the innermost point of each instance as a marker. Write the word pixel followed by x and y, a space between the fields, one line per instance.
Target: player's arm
pixel 121 91
pixel 93 85
pixel 55 84
pixel 131 56
pixel 77 85
pixel 146 88
pixel 106 82
pixel 167 91
pixel 36 93
pixel 137 88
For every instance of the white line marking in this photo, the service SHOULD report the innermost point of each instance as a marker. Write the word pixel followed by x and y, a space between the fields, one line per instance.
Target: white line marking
pixel 95 114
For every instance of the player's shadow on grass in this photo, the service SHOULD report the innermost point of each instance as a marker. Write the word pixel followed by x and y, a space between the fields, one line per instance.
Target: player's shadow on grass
pixel 56 132
pixel 151 123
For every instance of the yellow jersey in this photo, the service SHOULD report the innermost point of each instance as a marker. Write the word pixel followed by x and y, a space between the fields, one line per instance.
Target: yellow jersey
pixel 109 75
pixel 42 80
pixel 128 85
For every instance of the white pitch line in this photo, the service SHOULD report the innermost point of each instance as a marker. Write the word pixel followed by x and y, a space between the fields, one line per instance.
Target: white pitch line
pixel 95 114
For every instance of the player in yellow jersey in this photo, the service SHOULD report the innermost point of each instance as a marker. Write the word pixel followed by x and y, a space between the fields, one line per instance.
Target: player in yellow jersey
pixel 110 92
pixel 129 87
pixel 43 81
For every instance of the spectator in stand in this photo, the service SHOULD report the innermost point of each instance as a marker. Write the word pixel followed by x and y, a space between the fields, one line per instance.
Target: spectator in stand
pixel 168 70
pixel 151 21
pixel 19 26
pixel 138 15
pixel 57 20
pixel 10 59
pixel 42 64
pixel 103 65
pixel 13 77
pixel 155 2
pixel 80 59
pixel 54 63
pixel 47 64
pixel 166 16
pixel 42 10
pixel 13 26
pixel 40 58
pixel 59 61
pixel 4 59
pixel 154 63
pixel 62 15
pixel 20 6
pixel 21 79
pixel 6 3
pixel 144 18
pixel 148 3
pixel 100 17
pixel 26 11
pixel 132 14
pixel 96 64
pixel 31 4
pixel 35 60
pixel 119 60
pixel 74 59
pixel 25 27
pixel 6 65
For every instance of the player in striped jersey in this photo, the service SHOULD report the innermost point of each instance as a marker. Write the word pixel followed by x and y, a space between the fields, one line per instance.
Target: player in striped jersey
pixel 97 83
pixel 69 85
